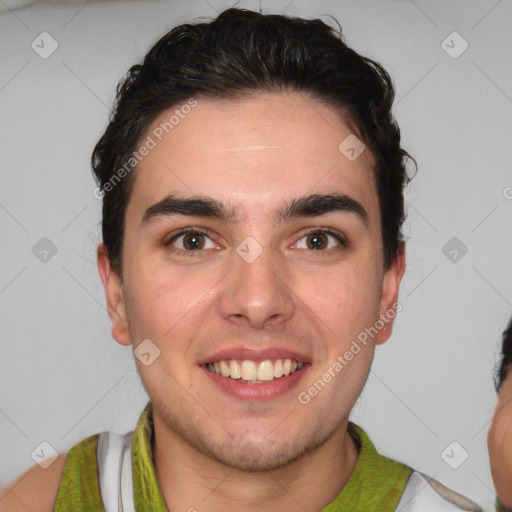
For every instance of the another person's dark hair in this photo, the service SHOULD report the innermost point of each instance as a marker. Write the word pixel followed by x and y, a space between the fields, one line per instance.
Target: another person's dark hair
pixel 506 356
pixel 242 53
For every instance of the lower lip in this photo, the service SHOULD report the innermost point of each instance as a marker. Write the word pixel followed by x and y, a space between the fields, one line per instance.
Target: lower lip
pixel 268 391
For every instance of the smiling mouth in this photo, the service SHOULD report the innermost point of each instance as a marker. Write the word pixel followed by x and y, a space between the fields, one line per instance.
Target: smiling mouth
pixel 255 372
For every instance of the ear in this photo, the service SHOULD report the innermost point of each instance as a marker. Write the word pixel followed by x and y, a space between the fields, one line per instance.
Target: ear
pixel 114 292
pixel 389 305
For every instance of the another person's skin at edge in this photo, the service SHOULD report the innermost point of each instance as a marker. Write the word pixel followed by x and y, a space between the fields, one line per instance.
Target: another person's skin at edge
pixel 499 441
pixel 255 154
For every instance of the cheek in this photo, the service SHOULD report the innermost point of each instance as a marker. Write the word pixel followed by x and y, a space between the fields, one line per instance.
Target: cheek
pixel 500 447
pixel 348 299
pixel 500 453
pixel 159 300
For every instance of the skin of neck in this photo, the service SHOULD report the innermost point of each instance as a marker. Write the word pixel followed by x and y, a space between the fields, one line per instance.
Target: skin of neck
pixel 190 480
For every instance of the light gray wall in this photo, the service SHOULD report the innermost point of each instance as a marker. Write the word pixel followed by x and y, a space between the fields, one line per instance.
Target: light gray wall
pixel 63 377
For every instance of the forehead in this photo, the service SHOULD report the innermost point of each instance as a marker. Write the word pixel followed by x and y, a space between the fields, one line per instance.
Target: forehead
pixel 251 152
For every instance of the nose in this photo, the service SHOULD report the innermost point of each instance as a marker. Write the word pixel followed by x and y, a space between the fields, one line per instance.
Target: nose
pixel 258 293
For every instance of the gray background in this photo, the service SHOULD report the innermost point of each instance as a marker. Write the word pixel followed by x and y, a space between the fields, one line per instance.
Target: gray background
pixel 63 377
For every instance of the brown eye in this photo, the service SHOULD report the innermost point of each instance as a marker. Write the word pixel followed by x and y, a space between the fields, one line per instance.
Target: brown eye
pixel 193 241
pixel 321 240
pixel 190 241
pixel 317 241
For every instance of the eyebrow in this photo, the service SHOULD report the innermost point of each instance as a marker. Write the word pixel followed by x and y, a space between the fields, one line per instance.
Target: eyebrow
pixel 306 206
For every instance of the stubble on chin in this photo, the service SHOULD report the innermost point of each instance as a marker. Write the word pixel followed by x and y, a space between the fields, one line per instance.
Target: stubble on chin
pixel 239 452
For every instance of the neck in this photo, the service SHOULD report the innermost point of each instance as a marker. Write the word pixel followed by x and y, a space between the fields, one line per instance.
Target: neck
pixel 189 480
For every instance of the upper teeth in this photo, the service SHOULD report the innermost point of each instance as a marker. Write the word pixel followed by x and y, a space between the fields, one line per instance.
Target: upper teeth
pixel 255 370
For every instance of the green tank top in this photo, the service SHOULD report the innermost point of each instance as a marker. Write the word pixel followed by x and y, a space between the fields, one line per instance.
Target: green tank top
pixel 377 482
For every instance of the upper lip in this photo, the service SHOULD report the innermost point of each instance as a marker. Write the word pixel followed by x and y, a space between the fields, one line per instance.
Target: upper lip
pixel 244 353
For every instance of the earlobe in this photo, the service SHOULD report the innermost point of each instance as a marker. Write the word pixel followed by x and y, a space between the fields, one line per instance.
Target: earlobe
pixel 114 292
pixel 389 305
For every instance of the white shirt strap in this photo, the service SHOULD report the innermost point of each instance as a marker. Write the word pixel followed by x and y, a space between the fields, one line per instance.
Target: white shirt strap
pixel 115 471
pixel 424 494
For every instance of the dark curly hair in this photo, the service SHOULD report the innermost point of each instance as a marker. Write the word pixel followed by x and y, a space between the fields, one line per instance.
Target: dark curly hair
pixel 239 53
pixel 506 357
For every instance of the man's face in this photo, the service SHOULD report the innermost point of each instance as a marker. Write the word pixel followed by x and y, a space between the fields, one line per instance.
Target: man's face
pixel 500 443
pixel 211 296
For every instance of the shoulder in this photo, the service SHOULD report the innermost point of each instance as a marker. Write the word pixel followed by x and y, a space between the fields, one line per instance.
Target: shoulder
pixel 424 494
pixel 36 489
pixel 413 491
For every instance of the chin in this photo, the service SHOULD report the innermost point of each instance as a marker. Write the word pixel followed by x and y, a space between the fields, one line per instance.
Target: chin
pixel 265 454
pixel 250 459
